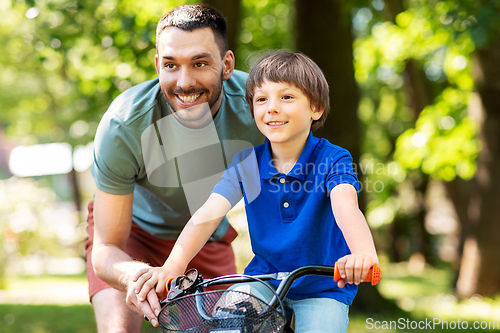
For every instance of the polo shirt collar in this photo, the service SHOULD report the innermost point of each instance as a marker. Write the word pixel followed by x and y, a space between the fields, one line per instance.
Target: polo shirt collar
pixel 268 170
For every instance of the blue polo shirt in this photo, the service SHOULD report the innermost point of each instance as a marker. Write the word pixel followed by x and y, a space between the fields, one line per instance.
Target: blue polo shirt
pixel 290 218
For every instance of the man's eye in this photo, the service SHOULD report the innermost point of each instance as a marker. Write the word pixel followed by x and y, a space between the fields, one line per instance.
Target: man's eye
pixel 200 64
pixel 169 65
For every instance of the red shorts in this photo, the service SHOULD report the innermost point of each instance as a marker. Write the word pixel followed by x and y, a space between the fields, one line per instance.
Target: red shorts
pixel 215 258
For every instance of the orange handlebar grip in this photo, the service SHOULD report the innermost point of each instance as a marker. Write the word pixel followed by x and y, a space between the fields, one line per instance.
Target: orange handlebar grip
pixel 168 284
pixel 374 275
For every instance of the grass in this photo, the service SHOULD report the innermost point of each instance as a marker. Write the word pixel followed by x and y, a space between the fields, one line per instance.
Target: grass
pixel 426 297
pixel 19 318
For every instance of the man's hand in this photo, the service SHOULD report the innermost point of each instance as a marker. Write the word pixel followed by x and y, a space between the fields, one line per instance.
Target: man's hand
pixel 353 268
pixel 148 304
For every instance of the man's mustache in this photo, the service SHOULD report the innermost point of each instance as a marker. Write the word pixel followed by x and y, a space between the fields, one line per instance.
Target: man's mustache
pixel 180 91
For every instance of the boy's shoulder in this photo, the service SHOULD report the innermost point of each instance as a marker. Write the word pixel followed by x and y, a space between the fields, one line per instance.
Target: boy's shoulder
pixel 326 147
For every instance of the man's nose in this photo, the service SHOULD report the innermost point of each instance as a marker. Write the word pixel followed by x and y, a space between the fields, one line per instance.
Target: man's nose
pixel 185 81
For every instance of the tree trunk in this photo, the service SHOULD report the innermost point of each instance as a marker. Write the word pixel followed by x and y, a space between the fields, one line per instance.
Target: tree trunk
pixel 324 34
pixel 75 189
pixel 230 9
pixel 487 75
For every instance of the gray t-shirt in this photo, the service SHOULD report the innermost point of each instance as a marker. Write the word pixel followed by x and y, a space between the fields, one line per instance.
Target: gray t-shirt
pixel 141 148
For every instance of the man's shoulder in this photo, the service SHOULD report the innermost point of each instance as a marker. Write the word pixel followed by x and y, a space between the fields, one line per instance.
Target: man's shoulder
pixel 235 85
pixel 134 102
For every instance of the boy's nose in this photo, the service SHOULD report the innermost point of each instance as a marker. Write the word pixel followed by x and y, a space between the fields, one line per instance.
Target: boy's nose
pixel 273 107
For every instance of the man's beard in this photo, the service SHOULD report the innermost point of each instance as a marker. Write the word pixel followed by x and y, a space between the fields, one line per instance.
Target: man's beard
pixel 196 115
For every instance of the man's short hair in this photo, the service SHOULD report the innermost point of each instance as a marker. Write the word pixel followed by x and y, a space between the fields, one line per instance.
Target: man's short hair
pixel 293 68
pixel 191 17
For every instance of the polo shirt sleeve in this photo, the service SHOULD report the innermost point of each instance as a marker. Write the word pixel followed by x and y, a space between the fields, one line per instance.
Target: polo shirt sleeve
pixel 341 171
pixel 115 165
pixel 241 175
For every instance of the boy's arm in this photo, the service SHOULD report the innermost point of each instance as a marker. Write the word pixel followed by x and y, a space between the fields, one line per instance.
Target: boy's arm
pixel 191 240
pixel 353 268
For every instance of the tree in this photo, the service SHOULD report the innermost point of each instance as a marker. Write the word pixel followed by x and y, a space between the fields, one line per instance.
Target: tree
pixel 65 61
pixel 480 197
pixel 454 43
pixel 231 10
pixel 324 33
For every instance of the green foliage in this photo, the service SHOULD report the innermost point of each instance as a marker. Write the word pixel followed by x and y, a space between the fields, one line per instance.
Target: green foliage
pixel 415 124
pixel 442 143
pixel 266 24
pixel 65 61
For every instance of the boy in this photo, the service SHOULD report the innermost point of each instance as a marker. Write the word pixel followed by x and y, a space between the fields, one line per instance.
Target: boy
pixel 300 194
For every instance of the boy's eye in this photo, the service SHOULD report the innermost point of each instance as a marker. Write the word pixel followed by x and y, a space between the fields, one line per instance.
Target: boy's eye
pixel 260 99
pixel 287 97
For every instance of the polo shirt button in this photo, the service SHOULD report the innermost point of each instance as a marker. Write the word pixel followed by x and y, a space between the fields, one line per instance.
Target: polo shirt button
pixel 282 180
pixel 286 204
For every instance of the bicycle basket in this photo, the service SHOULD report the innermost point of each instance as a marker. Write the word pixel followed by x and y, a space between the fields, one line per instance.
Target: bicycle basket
pixel 221 311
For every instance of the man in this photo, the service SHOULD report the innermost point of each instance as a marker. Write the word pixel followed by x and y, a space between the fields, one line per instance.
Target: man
pixel 155 148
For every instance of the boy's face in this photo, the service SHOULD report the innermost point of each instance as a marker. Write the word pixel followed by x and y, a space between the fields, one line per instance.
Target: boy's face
pixel 283 113
pixel 191 71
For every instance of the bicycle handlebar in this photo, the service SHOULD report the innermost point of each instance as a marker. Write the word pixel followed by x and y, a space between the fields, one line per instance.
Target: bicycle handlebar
pixel 374 276
pixel 189 288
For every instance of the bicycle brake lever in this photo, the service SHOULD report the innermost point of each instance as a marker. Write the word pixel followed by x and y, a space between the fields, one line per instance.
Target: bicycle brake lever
pixel 174 288
pixel 374 275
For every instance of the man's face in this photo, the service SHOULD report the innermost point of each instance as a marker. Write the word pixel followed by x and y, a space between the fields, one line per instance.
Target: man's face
pixel 191 72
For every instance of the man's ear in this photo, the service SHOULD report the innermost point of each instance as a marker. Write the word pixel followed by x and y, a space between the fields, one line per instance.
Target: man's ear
pixel 228 66
pixel 157 64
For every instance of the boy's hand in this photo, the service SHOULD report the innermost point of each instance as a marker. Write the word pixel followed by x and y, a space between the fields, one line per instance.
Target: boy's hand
pixel 150 283
pixel 353 268
pixel 148 307
pixel 153 278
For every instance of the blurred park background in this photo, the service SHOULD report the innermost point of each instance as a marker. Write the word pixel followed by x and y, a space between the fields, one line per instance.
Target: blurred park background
pixel 415 96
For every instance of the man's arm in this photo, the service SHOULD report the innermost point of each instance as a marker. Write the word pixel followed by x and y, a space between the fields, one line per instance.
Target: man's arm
pixel 113 222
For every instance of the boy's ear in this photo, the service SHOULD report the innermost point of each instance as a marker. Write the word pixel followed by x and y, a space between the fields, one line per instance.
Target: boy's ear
pixel 316 113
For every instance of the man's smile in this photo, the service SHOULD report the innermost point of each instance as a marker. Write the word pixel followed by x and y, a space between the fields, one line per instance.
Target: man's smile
pixel 188 98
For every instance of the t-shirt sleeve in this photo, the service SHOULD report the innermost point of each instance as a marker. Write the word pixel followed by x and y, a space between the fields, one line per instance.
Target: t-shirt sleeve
pixel 241 175
pixel 341 171
pixel 115 165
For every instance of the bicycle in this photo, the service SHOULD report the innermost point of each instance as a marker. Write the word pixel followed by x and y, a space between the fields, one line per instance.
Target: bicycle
pixel 189 309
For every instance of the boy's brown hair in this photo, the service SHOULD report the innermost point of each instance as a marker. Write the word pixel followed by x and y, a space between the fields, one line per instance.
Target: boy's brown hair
pixel 293 68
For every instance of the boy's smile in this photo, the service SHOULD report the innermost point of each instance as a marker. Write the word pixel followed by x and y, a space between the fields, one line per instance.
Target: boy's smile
pixel 283 113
